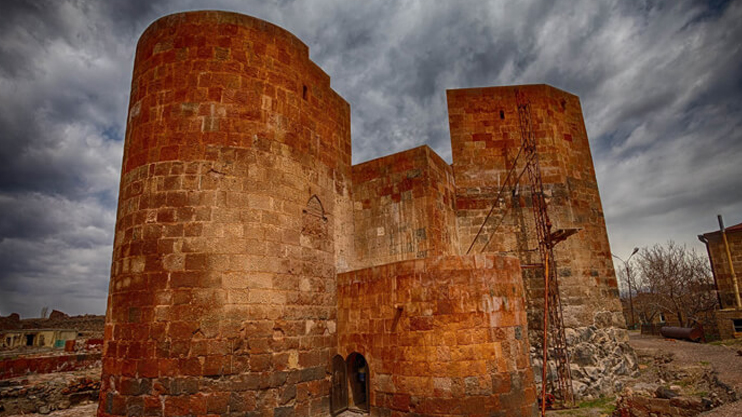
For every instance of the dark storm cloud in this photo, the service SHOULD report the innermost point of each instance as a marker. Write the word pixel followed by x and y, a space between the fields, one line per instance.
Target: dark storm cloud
pixel 61 75
pixel 58 66
pixel 24 22
pixel 660 84
pixel 678 164
pixel 396 80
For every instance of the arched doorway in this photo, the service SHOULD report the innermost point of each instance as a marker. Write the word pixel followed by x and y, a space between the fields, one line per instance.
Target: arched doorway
pixel 359 381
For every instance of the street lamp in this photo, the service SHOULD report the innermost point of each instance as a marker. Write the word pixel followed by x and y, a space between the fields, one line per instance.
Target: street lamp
pixel 628 280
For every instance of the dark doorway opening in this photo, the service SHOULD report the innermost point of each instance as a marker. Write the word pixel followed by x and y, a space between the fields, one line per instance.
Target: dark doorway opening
pixel 358 377
pixel 29 339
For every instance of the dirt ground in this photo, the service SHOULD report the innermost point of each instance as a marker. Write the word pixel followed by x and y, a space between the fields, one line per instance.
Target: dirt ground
pixel 722 358
pixel 725 359
pixel 709 370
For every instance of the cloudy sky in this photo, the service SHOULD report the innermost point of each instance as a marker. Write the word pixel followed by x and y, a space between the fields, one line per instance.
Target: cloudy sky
pixel 660 84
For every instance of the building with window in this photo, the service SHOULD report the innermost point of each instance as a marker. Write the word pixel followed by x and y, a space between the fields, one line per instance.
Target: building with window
pixel 725 254
pixel 10 339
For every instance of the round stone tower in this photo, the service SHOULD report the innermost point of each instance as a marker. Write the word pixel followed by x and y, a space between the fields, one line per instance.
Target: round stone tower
pixel 236 165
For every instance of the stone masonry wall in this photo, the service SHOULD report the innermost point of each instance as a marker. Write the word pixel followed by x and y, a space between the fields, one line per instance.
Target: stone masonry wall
pixel 725 323
pixel 237 157
pixel 720 262
pixel 15 367
pixel 403 208
pixel 459 345
pixel 485 137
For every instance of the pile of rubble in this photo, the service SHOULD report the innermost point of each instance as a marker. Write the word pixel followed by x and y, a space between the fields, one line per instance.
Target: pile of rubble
pixel 45 393
pixel 601 361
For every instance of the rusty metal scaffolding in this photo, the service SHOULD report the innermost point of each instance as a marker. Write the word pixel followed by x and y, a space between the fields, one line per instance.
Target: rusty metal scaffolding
pixel 546 242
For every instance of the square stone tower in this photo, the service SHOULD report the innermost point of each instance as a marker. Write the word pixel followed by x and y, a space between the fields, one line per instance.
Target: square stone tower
pixel 485 140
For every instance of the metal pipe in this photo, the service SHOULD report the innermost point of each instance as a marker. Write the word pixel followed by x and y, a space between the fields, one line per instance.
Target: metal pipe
pixel 694 334
pixel 731 265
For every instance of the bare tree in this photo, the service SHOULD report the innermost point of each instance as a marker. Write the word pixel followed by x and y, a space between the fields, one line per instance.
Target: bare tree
pixel 674 280
pixel 44 311
pixel 628 285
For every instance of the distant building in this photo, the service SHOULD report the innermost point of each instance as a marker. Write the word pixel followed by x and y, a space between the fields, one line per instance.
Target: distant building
pixel 36 337
pixel 720 253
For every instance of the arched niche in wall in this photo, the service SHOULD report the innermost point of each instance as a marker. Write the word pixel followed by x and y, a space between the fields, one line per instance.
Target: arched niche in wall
pixel 314 232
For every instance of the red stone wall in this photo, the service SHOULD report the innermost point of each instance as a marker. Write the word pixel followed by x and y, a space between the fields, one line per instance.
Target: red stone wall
pixel 236 169
pixel 459 346
pixel 485 137
pixel 11 368
pixel 403 208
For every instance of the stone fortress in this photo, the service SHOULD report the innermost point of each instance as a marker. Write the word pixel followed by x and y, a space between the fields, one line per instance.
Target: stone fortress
pixel 256 271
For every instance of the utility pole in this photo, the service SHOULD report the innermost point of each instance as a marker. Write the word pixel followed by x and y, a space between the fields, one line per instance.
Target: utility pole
pixel 628 281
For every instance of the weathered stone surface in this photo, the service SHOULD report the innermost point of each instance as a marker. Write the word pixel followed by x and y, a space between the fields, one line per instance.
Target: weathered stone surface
pixel 404 208
pixel 235 175
pixel 486 136
pixel 455 347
